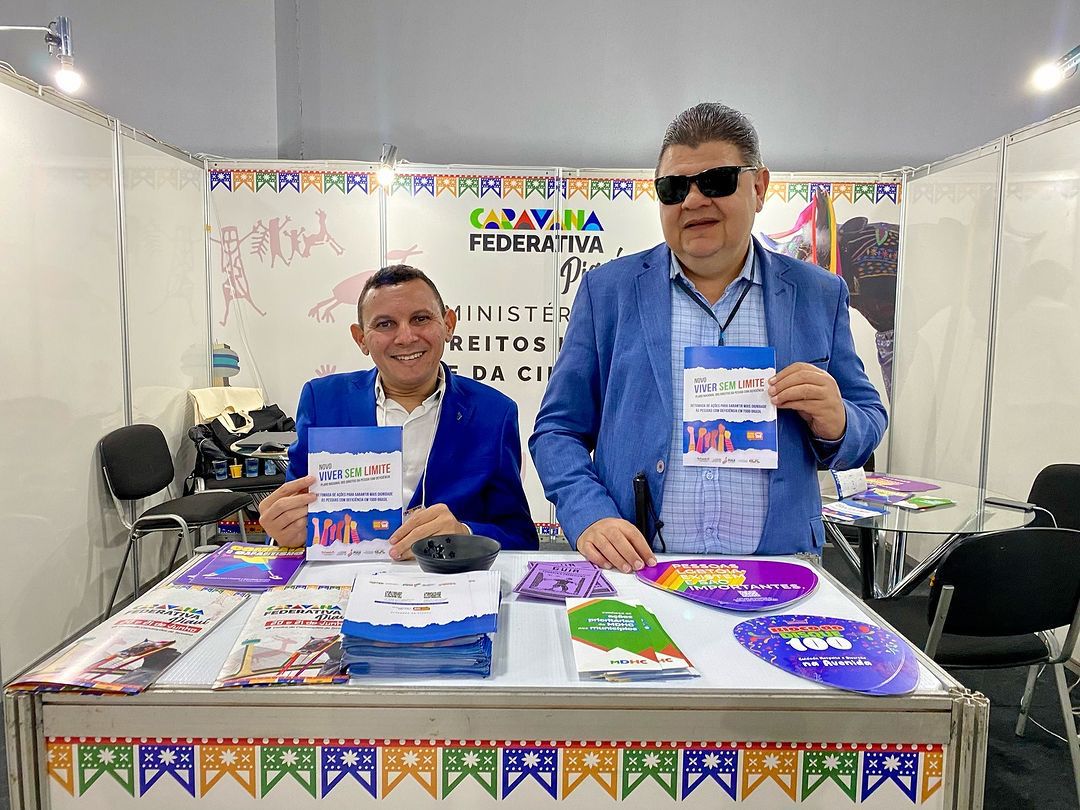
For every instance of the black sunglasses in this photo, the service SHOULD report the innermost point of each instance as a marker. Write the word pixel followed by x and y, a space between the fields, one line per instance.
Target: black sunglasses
pixel 719 182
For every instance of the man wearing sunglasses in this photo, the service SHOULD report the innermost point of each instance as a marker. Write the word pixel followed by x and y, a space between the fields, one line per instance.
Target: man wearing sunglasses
pixel 613 409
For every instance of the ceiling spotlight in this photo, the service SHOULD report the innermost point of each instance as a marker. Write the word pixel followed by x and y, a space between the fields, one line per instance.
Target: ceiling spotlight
pixel 1047 77
pixel 387 170
pixel 58 40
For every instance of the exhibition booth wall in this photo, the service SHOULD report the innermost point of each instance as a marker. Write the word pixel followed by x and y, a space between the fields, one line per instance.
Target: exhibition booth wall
pixel 126 260
pixel 106 323
pixel 986 389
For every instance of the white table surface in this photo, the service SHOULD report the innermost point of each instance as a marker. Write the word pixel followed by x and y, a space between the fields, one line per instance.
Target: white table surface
pixel 532 647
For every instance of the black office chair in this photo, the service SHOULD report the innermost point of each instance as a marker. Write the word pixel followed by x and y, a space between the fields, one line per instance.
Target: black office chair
pixel 1057 490
pixel 137 464
pixel 994 602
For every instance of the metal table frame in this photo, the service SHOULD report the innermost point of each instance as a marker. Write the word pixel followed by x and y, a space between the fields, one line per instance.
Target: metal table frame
pixel 882 575
pixel 872 568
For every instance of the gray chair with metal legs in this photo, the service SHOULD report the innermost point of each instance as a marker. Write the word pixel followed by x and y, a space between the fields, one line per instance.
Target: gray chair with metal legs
pixel 995 602
pixel 137 464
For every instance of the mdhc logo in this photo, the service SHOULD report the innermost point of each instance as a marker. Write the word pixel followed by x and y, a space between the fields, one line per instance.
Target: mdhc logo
pixel 534 219
pixel 584 222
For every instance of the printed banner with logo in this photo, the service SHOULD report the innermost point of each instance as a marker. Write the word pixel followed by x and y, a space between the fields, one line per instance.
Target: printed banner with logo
pixel 290 251
pixel 490 243
pixel 293 246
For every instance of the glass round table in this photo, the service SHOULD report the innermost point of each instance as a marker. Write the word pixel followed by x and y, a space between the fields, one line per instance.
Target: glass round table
pixel 883 539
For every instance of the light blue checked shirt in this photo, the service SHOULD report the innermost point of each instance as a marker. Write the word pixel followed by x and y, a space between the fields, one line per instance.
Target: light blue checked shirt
pixel 709 510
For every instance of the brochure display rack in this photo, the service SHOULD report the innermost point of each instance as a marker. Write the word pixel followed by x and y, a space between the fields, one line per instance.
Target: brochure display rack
pixel 534 734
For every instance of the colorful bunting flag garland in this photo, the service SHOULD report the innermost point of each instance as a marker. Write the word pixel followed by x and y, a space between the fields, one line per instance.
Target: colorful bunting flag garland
pixel 502 186
pixel 343 761
pixel 227 760
pixel 419 763
pixel 596 763
pixel 539 764
pixel 854 773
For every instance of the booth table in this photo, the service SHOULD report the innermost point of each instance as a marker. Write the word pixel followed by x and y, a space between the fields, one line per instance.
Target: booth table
pixel 882 547
pixel 532 734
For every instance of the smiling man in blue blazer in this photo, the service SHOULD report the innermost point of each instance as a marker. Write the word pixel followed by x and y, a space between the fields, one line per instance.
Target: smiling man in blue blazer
pixel 461 448
pixel 613 409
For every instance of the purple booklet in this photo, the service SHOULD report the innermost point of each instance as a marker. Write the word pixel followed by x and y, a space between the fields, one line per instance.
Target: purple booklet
pixel 898 484
pixel 558 580
pixel 602 586
pixel 245 567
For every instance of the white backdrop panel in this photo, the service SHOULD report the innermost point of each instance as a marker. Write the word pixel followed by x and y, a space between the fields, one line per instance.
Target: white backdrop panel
pixel 507 246
pixel 286 269
pixel 484 247
pixel 950 224
pixel 1036 388
pixel 944 310
pixel 168 316
pixel 64 377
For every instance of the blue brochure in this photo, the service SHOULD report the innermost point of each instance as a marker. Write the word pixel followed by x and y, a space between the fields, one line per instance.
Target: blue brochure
pixel 358 483
pixel 728 420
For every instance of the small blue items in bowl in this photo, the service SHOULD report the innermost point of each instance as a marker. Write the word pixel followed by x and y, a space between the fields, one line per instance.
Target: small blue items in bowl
pixel 455 553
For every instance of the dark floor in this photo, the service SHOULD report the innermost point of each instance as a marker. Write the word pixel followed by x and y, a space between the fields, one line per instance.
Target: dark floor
pixel 1021 772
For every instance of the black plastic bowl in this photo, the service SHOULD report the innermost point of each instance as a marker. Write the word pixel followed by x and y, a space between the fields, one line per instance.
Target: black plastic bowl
pixel 455 553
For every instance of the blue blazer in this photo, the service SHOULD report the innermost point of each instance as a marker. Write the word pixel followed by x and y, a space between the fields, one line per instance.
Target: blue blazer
pixel 475 462
pixel 607 411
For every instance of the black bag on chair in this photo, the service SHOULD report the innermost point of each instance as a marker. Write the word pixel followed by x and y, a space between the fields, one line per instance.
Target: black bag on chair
pixel 270 417
pixel 207 451
pixel 212 440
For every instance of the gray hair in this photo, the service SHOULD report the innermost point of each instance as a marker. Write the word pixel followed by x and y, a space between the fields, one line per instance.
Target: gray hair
pixel 711 121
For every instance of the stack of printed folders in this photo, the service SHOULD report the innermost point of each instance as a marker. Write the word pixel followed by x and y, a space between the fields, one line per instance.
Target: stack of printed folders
pixel 131 650
pixel 417 625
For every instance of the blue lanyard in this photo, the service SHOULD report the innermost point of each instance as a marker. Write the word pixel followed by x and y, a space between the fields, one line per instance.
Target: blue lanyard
pixel 682 284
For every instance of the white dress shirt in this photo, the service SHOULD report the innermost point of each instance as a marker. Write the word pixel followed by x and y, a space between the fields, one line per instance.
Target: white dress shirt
pixel 417 433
